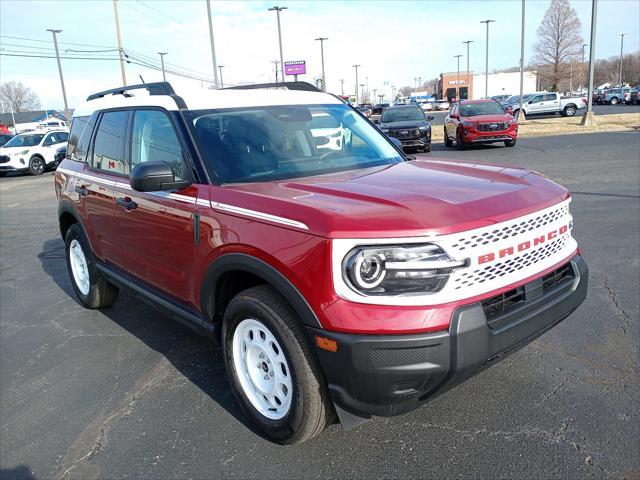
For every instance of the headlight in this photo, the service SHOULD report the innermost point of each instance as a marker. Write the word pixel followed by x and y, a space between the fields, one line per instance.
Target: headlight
pixel 425 128
pixel 398 269
pixel 24 152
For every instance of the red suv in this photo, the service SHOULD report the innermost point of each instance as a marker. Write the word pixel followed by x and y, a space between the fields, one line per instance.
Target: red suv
pixel 479 121
pixel 338 277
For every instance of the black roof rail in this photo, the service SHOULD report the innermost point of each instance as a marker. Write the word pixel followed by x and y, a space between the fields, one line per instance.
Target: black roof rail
pixel 304 86
pixel 155 88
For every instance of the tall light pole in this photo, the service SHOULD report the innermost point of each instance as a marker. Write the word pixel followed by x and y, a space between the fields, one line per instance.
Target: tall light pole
pixel 486 65
pixel 458 79
pixel 213 45
pixel 64 91
pixel 220 67
pixel 278 10
pixel 342 86
pixel 120 49
pixel 582 67
pixel 521 117
pixel 324 81
pixel 276 62
pixel 356 67
pixel 362 91
pixel 162 54
pixel 468 42
pixel 622 35
pixel 589 119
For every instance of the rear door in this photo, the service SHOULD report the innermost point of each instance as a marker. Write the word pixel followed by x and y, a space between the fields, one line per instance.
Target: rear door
pixel 155 230
pixel 550 103
pixel 51 143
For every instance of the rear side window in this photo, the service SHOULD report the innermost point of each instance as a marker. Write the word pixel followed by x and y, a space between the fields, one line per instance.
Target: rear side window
pixel 78 139
pixel 549 97
pixel 108 147
pixel 54 138
pixel 154 140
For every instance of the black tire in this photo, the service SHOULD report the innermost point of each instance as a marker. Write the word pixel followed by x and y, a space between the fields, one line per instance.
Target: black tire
pixel 310 410
pixel 459 142
pixel 614 101
pixel 447 141
pixel 569 111
pixel 510 143
pixel 427 149
pixel 37 165
pixel 101 293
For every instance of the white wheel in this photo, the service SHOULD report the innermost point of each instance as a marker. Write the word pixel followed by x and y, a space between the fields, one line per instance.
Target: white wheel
pixel 79 268
pixel 262 369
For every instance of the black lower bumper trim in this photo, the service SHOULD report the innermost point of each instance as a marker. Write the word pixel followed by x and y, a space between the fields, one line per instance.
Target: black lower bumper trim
pixel 387 375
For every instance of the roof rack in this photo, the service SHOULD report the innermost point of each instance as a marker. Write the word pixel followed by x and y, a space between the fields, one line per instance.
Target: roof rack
pixel 304 86
pixel 155 88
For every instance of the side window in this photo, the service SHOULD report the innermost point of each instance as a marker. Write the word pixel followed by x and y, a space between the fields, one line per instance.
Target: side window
pixel 154 140
pixel 108 147
pixel 537 99
pixel 80 137
pixel 549 97
pixel 55 138
pixel 49 140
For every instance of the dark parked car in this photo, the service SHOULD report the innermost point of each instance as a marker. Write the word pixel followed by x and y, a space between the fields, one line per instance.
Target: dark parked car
pixel 379 107
pixel 408 124
pixel 60 155
pixel 366 111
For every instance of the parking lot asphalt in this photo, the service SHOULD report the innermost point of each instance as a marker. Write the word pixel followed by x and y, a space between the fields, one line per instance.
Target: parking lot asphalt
pixel 439 116
pixel 128 393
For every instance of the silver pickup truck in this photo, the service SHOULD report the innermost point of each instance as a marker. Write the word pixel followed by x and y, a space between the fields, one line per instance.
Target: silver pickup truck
pixel 548 103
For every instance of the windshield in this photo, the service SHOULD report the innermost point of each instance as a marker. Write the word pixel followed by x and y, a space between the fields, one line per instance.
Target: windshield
pixel 24 141
pixel 402 115
pixel 483 108
pixel 258 144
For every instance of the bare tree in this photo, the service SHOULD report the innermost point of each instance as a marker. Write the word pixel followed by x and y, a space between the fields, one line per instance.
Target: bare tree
pixel 405 91
pixel 559 41
pixel 18 97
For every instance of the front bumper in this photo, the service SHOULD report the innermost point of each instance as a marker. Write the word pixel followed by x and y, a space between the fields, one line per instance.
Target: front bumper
pixel 388 375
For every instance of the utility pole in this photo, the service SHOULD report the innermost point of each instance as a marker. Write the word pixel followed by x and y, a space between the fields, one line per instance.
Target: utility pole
pixel 486 66
pixel 162 54
pixel 467 82
pixel 324 80
pixel 356 67
pixel 582 68
pixel 213 45
pixel 458 79
pixel 276 63
pixel 622 35
pixel 342 86
pixel 278 10
pixel 64 91
pixel 521 117
pixel 120 49
pixel 220 67
pixel 589 119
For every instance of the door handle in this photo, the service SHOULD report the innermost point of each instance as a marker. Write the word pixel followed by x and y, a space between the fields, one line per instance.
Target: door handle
pixel 126 203
pixel 82 191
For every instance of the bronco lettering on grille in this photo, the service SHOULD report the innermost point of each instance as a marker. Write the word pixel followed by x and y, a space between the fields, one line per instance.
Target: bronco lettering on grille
pixel 522 246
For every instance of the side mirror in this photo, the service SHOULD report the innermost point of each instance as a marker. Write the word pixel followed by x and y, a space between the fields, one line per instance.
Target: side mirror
pixel 155 176
pixel 530 102
pixel 430 117
pixel 375 121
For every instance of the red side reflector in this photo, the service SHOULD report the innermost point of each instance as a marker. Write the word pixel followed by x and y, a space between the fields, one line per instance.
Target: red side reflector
pixel 326 344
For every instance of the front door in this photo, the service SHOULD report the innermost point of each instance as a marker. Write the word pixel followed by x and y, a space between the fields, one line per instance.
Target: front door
pixel 155 230
pixel 536 104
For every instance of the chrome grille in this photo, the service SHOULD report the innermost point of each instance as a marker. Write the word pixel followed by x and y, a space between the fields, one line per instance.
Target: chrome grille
pixel 492 127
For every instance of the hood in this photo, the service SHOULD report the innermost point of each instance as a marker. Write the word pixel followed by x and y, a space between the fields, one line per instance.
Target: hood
pixel 401 200
pixel 405 124
pixel 495 117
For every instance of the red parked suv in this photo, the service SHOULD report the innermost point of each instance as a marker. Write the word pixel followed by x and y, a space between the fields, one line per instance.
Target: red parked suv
pixel 338 277
pixel 479 121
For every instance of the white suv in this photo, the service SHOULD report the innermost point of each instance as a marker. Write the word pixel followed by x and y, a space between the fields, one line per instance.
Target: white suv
pixel 32 152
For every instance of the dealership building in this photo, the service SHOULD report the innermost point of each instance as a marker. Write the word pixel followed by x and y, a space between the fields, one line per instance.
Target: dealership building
pixel 463 85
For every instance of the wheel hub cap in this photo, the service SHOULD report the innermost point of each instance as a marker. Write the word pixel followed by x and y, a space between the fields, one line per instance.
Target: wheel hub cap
pixel 79 268
pixel 262 369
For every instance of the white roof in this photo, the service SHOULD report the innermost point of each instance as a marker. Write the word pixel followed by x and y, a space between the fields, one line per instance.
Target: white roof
pixel 198 99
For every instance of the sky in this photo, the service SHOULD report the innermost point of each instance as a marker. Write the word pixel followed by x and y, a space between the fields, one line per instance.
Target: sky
pixel 393 41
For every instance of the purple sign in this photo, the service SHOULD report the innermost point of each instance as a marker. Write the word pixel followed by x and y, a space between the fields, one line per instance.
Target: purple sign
pixel 298 67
